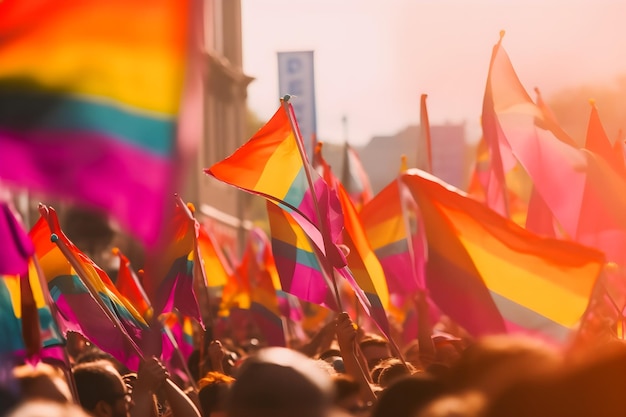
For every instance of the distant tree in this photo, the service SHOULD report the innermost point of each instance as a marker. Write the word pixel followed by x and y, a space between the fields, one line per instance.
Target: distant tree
pixel 571 108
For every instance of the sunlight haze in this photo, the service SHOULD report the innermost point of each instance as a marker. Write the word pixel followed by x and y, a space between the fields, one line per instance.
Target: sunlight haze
pixel 373 59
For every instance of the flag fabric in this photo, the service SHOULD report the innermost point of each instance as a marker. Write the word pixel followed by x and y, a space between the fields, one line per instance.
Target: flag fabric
pixel 598 142
pixel 272 165
pixel 24 336
pixel 12 343
pixel 74 302
pixel 129 285
pixel 17 247
pixel 215 264
pixel 168 273
pixel 395 239
pixel 592 208
pixel 354 178
pixel 490 275
pixel 297 261
pixel 98 122
pixel 364 265
pixel 257 265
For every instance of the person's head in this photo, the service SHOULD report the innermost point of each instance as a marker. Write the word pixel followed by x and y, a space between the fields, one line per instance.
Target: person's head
pixel 334 359
pixel 347 394
pixel 101 389
pixel 93 354
pixel 374 348
pixel 466 404
pixel 412 354
pixel 280 382
pixel 43 408
pixel 407 395
pixel 214 388
pixel 42 381
pixel 393 370
pixel 494 362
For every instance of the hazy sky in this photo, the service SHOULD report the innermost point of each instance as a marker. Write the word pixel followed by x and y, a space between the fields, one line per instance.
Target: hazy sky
pixel 373 59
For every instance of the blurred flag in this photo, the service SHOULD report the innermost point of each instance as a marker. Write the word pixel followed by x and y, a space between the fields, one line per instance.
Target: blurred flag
pixel 89 105
pixel 299 267
pixel 354 178
pixel 169 273
pixel 128 284
pixel 491 276
pixel 17 247
pixel 74 301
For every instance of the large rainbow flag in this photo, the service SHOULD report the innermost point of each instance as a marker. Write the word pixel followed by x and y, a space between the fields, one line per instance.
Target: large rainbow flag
pixel 90 93
pixel 490 275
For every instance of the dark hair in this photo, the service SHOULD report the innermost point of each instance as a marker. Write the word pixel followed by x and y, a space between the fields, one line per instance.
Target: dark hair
pixel 345 386
pixel 406 396
pixel 372 339
pixel 95 381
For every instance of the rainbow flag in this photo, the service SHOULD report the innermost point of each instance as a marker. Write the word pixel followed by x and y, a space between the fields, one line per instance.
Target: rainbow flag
pixel 592 208
pixel 215 263
pixel 396 240
pixel 490 275
pixel 168 274
pixel 271 165
pixel 13 303
pixel 89 103
pixel 76 304
pixel 297 260
pixel 16 245
pixel 354 178
pixel 364 265
pixel 128 284
pixel 257 266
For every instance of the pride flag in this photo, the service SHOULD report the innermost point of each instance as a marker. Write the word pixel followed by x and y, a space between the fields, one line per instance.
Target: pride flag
pixel 16 245
pixel 272 165
pixel 215 264
pixel 168 274
pixel 297 260
pixel 90 93
pixel 14 301
pixel 364 265
pixel 592 208
pixel 128 284
pixel 490 275
pixel 77 306
pixel 257 266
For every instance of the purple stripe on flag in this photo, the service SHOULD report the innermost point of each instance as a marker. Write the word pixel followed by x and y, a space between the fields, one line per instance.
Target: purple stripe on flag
pixel 461 297
pixel 94 169
pixel 17 247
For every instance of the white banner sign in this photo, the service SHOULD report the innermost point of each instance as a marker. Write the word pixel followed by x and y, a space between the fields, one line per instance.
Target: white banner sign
pixel 295 77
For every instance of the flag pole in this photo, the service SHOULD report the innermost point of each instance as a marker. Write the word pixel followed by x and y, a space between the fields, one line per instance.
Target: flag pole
pixel 181 358
pixel 424 162
pixel 307 170
pixel 69 375
pixel 200 279
pixel 199 271
pixel 82 276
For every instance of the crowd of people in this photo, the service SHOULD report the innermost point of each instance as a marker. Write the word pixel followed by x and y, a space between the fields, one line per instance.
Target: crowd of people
pixel 342 370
